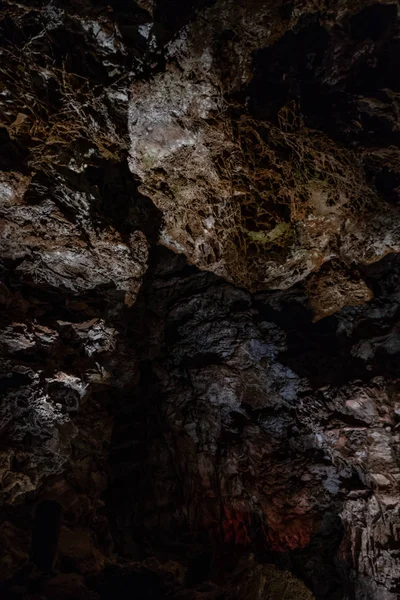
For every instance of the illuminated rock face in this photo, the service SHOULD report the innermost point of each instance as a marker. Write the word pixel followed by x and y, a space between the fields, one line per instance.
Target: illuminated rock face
pixel 200 296
pixel 255 142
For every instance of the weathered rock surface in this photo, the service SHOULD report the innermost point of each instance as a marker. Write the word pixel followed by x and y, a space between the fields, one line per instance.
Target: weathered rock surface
pixel 234 140
pixel 199 327
pixel 261 439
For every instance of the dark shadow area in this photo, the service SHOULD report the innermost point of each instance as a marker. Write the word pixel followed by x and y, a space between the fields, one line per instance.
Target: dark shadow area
pixel 373 22
pixel 172 15
pixel 121 201
pixel 200 569
pixel 339 84
pixel 13 153
pixel 45 534
pixel 121 584
pixel 324 351
pixel 287 71
pixel 313 349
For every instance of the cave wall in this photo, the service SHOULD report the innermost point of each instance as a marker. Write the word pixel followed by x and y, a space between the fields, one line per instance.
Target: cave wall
pixel 267 432
pixel 200 299
pixel 243 141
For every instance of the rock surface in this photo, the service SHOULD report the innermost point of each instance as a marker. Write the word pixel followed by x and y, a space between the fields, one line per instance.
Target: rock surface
pixel 260 438
pixel 199 327
pixel 234 141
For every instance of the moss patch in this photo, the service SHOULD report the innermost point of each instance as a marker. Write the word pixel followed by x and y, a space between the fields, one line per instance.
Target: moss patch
pixel 279 234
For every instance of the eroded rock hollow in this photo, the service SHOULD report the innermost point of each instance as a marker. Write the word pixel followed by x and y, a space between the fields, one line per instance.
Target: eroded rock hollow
pixel 200 299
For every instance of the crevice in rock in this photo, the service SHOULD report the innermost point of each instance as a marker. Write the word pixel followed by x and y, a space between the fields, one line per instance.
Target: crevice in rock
pixel 45 534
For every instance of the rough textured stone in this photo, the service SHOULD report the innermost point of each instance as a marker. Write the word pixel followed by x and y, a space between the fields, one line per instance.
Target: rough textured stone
pixel 261 202
pixel 199 295
pixel 256 446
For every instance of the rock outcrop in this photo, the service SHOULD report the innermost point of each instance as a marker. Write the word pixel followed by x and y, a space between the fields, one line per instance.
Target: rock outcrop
pixel 234 142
